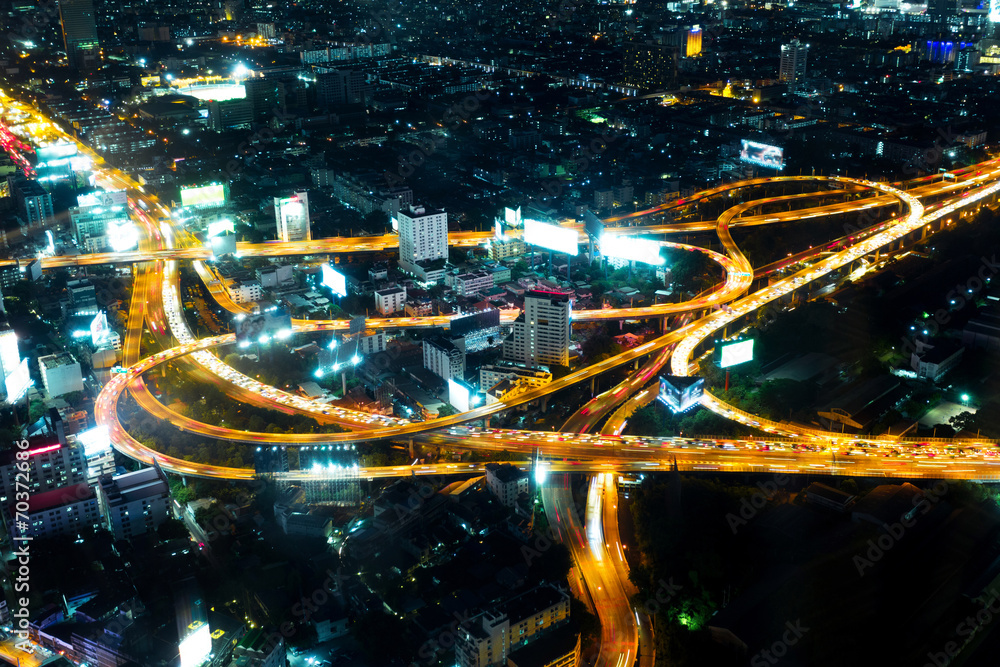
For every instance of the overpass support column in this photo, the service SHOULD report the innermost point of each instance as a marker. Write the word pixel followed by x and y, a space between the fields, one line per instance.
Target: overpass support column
pixel 592 385
pixel 413 453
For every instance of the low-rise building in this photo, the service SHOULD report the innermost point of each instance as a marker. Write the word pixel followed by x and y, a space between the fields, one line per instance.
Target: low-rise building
pixel 444 358
pixel 490 375
pixel 506 481
pixel 63 511
pixel 135 503
pixel 61 374
pixel 390 300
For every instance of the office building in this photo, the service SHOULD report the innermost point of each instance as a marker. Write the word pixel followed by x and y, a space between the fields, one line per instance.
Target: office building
pixel 423 237
pixel 263 96
pixel 390 300
pixel 34 204
pixel 508 246
pixel 64 511
pixel 83 51
pixel 541 333
pixel 135 503
pixel 61 374
pixel 344 86
pixel 444 358
pixel 650 65
pixel 82 296
pixel 92 222
pixel 229 115
pixel 291 215
pixel 490 637
pixel 793 63
pixel 51 465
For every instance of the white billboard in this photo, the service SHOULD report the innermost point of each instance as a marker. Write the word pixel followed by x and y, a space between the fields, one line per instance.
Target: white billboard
pixel 122 235
pixel 631 248
pixel 553 237
pixel 335 280
pixel 99 330
pixel 994 15
pixel 205 196
pixel 105 198
pixel 512 216
pixel 736 353
pixel 220 227
pixel 458 396
pixel 197 646
pixel 95 441
pixel 18 382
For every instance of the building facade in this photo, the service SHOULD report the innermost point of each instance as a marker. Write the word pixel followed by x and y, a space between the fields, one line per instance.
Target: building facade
pixel 423 236
pixel 542 332
pixel 135 503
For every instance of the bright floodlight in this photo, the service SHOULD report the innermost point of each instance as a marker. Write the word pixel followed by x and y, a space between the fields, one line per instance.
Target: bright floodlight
pixel 541 473
pixel 241 71
pixel 965 398
pixel 355 360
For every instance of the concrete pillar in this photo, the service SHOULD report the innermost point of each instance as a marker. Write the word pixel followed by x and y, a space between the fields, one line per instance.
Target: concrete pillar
pixel 413 453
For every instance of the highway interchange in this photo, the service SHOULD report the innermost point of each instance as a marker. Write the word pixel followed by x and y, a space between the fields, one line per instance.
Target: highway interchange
pixel 593 538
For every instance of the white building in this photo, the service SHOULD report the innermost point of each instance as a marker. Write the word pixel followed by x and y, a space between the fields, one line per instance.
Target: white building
pixel 371 341
pixel 793 63
pixel 541 333
pixel 423 236
pixel 468 284
pixel 245 291
pixel 390 300
pixel 506 481
pixel 61 374
pixel 135 503
pixel 291 214
pixel 444 358
pixel 63 511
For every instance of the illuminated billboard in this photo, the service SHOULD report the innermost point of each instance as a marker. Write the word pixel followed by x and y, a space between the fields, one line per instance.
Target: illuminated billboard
pixel 105 198
pixel 95 441
pixel 512 216
pixel 736 353
pixel 221 227
pixel 553 237
pixel 18 382
pixel 122 235
pixel 762 155
pixel 196 646
pixel 458 395
pixel 994 15
pixel 631 248
pixel 205 196
pixel 99 330
pixel 335 280
pixel 261 328
pixel 55 154
pixel 680 393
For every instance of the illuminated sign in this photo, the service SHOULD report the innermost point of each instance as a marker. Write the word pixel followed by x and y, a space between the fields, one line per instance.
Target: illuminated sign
pixel 95 441
pixel 17 383
pixel 736 353
pixel 632 249
pixel 204 196
pixel 122 235
pixel 55 154
pixel 197 646
pixel 44 450
pixel 99 331
pixel 994 15
pixel 335 280
pixel 762 155
pixel 220 227
pixel 680 393
pixel 261 328
pixel 105 198
pixel 553 237
pixel 458 395
pixel 512 216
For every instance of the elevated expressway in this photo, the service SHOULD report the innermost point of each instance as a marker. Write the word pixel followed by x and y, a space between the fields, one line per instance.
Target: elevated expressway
pixel 106 412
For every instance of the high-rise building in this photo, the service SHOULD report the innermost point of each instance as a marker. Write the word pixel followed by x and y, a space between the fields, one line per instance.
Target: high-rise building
pixel 444 358
pixel 262 95
pixel 292 217
pixel 135 503
pixel 68 510
pixel 423 236
pixel 229 115
pixel 34 204
pixel 61 374
pixel 83 51
pixel 793 63
pixel 96 216
pixel 650 65
pixel 541 332
pixel 51 465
